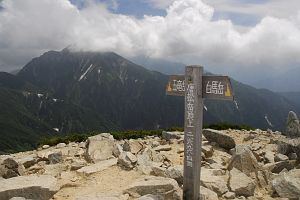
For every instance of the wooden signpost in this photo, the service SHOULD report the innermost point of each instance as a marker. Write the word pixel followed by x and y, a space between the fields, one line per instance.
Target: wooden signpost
pixel 195 88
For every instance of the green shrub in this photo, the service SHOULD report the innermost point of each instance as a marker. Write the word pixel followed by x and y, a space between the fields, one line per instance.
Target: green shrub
pixel 131 134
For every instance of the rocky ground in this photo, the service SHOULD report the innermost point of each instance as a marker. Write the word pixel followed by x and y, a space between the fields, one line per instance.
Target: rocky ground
pixel 235 165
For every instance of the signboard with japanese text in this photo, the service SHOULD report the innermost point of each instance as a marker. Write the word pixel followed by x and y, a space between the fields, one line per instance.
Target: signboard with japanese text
pixel 217 87
pixel 195 88
pixel 213 87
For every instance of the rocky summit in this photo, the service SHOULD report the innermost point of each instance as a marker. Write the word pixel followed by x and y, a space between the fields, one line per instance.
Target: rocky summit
pixel 236 164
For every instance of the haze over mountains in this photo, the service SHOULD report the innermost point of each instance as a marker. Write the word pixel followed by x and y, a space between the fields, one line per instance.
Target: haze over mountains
pixel 67 92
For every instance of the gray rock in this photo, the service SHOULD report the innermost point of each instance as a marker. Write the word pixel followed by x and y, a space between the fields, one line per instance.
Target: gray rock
pixel 287 146
pixel 28 161
pixel 77 165
pixel 150 197
pixel 280 157
pixel 215 183
pixel 244 160
pixel 11 168
pixel 293 125
pixel 97 197
pixel 55 157
pixel 269 157
pixel 207 194
pixel 240 183
pixel 279 166
pixel 176 173
pixel 99 147
pixel 229 195
pixel 45 146
pixel 133 146
pixel 127 160
pixel 41 187
pixel 171 135
pixel 287 185
pixel 208 150
pixel 163 148
pixel 19 198
pixel 61 145
pixel 222 139
pixel 97 167
pixel 165 187
pixel 118 149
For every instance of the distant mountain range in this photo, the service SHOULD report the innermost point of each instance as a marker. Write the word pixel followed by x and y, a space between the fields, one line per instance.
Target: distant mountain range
pixel 66 92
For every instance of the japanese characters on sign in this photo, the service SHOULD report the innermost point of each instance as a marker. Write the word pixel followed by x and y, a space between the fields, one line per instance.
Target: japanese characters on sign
pixel 217 87
pixel 213 87
pixel 189 149
pixel 190 99
pixel 176 85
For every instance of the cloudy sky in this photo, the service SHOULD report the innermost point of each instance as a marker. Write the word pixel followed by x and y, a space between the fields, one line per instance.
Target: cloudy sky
pixel 239 37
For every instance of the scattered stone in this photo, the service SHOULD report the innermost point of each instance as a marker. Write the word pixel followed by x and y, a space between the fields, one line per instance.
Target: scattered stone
pixel 98 197
pixel 279 166
pixel 240 183
pixel 287 146
pixel 99 147
pixel 280 157
pixel 28 161
pixel 118 149
pixel 155 144
pixel 171 135
pixel 180 150
pixel 10 168
pixel 127 160
pixel 133 146
pixel 30 187
pixel 249 137
pixel 151 197
pixel 293 125
pixel 217 184
pixel 293 156
pixel 176 173
pixel 61 145
pixel 208 150
pixel 287 185
pixel 165 187
pixel 207 194
pixel 269 157
pixel 55 157
pixel 77 165
pixel 46 146
pixel 223 140
pixel 229 195
pixel 163 148
pixel 243 160
pixel 97 167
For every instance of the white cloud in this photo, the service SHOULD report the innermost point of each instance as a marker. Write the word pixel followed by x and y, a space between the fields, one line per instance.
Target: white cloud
pixel 187 33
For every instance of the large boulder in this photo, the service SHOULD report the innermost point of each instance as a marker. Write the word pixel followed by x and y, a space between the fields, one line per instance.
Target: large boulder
pixel 207 194
pixel 133 146
pixel 99 147
pixel 222 139
pixel 289 146
pixel 213 181
pixel 244 160
pixel 127 160
pixel 287 185
pixel 172 135
pixel 165 187
pixel 293 125
pixel 30 187
pixel 240 183
pixel 11 168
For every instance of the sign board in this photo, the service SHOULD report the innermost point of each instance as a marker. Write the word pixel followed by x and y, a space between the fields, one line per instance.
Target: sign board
pixel 213 87
pixel 195 87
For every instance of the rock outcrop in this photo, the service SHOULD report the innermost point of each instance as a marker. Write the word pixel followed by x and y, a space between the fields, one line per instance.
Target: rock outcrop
pixel 223 140
pixel 262 165
pixel 293 125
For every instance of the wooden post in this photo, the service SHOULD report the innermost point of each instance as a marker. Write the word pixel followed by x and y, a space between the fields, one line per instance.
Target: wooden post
pixel 192 132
